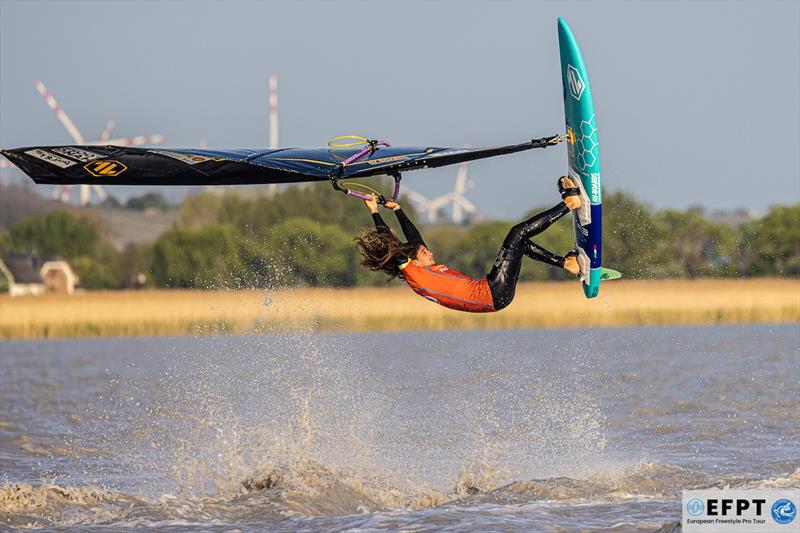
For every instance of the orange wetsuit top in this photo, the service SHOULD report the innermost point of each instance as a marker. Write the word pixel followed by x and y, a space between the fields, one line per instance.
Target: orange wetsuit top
pixel 438 283
pixel 449 288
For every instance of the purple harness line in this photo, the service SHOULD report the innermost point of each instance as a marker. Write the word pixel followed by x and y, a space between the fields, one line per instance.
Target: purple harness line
pixel 367 149
pixel 358 155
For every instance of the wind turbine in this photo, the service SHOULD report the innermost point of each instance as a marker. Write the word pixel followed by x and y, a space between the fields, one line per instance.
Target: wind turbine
pixel 105 138
pixel 459 203
pixel 273 122
pixel 421 202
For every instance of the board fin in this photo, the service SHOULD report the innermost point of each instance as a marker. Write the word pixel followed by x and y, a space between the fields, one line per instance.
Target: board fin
pixel 607 274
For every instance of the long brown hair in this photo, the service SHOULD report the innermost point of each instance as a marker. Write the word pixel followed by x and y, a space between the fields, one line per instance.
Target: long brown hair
pixel 380 251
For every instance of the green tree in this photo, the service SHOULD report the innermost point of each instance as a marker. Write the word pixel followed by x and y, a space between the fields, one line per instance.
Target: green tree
pixel 630 236
pixel 694 246
pixel 303 251
pixel 135 260
pixel 771 245
pixel 5 242
pixel 304 236
pixel 199 209
pixel 297 251
pixel 445 241
pixel 477 249
pixel 213 256
pixel 258 213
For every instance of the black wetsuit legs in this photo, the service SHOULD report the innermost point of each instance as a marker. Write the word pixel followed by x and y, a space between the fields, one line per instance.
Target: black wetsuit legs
pixel 505 272
pixel 537 253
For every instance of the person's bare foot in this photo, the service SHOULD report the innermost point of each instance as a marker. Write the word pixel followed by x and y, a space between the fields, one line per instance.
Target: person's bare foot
pixel 571 265
pixel 572 202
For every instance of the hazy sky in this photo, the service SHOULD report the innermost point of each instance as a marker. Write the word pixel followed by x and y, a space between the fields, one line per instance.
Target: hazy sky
pixel 697 102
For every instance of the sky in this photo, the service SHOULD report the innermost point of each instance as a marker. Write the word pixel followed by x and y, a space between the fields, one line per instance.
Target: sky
pixel 697 102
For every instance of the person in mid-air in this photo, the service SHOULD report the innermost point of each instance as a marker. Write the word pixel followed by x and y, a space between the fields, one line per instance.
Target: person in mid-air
pixel 381 251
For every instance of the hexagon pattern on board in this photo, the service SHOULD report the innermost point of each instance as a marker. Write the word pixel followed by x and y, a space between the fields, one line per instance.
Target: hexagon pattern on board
pixel 586 144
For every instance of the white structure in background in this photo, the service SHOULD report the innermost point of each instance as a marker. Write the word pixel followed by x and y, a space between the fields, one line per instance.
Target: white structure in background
pixel 26 274
pixel 273 122
pixel 421 202
pixel 273 112
pixel 460 202
pixel 105 138
pixel 456 199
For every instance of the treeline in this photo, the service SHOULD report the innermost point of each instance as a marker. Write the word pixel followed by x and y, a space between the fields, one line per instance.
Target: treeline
pixel 304 237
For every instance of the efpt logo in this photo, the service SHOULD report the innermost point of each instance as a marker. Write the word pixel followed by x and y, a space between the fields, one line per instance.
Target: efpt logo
pixel 740 511
pixel 784 511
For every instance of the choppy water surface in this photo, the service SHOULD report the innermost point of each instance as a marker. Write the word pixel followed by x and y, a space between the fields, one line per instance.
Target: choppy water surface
pixel 487 430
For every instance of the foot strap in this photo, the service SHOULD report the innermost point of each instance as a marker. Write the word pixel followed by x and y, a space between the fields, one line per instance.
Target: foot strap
pixel 567 191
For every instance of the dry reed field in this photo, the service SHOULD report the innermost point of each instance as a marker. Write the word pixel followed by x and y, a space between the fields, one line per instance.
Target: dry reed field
pixel 537 305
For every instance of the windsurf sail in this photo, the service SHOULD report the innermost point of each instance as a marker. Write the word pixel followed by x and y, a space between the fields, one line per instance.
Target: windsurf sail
pixel 126 165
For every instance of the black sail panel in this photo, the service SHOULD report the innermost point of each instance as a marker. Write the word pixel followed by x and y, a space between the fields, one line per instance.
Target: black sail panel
pixel 124 165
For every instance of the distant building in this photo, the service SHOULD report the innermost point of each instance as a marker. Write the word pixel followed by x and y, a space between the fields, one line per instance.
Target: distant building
pixel 59 277
pixel 26 274
pixel 22 274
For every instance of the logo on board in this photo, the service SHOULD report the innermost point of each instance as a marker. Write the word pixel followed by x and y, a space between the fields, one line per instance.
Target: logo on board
pixel 575 82
pixel 107 168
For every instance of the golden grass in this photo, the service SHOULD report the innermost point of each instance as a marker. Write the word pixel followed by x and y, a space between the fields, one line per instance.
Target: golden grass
pixel 537 305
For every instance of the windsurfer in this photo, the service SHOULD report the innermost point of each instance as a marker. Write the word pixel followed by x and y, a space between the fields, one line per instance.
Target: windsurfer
pixel 382 251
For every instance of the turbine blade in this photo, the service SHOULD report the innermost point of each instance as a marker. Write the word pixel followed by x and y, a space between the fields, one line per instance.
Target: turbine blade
pixel 62 117
pixel 414 196
pixel 273 123
pixel 461 177
pixel 468 206
pixel 85 195
pixel 273 112
pixel 101 192
pixel 107 131
pixel 458 216
pixel 441 201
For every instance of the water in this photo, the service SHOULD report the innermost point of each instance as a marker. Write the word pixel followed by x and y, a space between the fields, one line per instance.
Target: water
pixel 484 430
